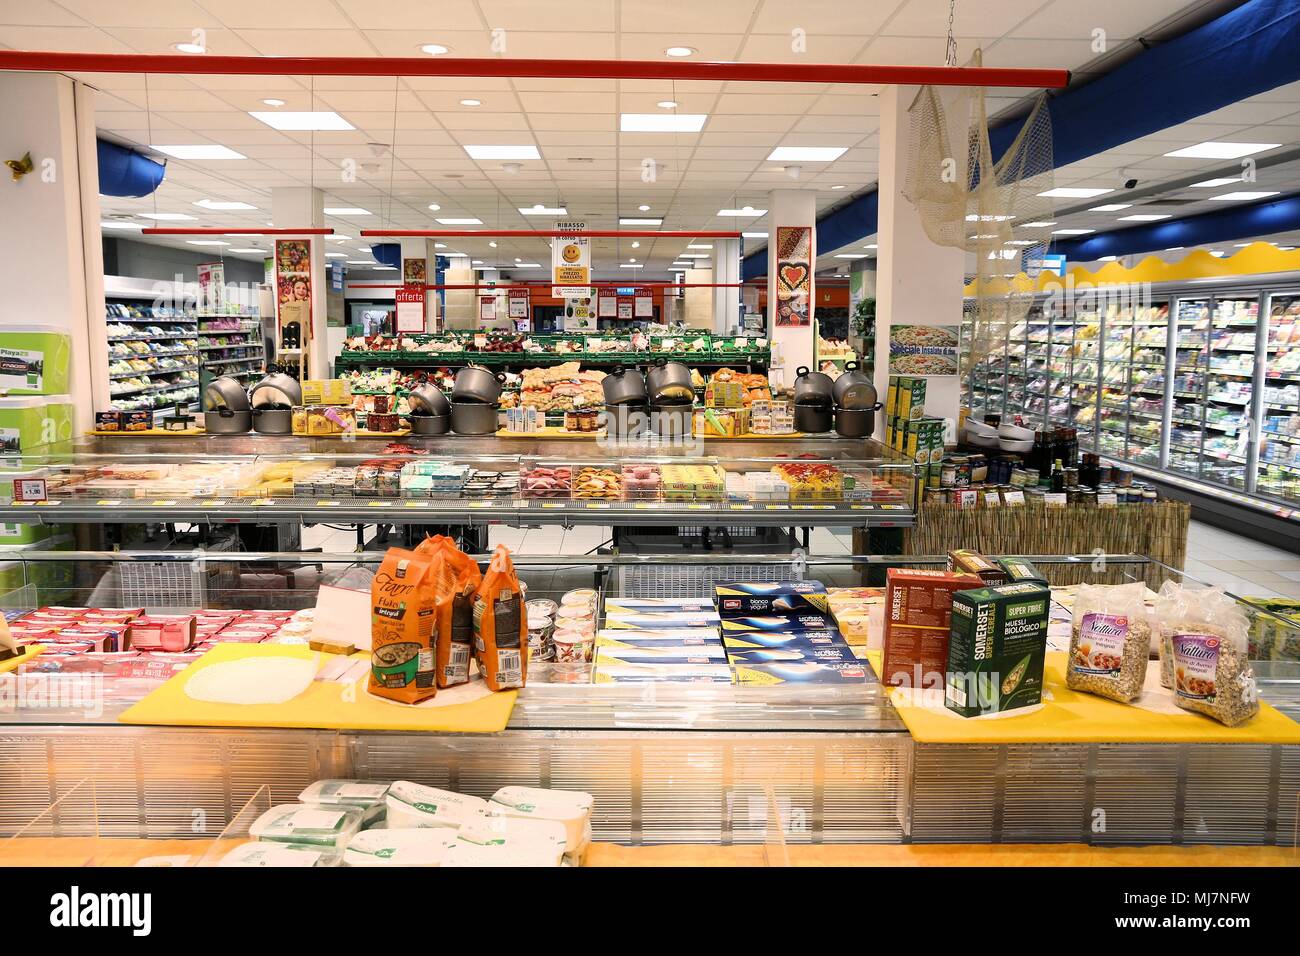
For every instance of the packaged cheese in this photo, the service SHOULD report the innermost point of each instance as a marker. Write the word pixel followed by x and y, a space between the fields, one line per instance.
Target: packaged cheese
pixel 571 808
pixel 258 854
pixel 400 846
pixel 415 805
pixel 305 824
pixel 516 836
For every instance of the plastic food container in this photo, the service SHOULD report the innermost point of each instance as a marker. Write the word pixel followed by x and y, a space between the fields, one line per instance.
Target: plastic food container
pixel 351 793
pixel 258 854
pixel 542 606
pixel 414 805
pixel 572 808
pixel 572 647
pixel 509 841
pixel 405 846
pixel 580 596
pixel 308 825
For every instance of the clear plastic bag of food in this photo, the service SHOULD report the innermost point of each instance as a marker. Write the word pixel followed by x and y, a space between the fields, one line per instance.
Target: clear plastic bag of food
pixel 1204 639
pixel 1110 641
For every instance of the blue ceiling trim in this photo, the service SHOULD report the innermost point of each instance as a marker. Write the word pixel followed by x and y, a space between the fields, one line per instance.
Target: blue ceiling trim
pixel 1246 51
pixel 1238 222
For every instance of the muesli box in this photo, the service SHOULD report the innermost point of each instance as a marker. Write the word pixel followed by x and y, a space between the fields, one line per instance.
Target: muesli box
pixel 995 653
pixel 918 604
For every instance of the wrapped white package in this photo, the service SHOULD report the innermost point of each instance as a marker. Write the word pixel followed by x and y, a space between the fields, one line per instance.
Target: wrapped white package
pixel 415 805
pixel 309 825
pixel 406 846
pixel 572 808
pixel 506 839
pixel 279 854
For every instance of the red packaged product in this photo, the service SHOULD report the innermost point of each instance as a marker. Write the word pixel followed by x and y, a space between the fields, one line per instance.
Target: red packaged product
pixel 163 633
pixel 918 612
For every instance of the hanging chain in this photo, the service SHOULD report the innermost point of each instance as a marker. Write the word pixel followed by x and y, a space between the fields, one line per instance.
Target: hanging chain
pixel 950 55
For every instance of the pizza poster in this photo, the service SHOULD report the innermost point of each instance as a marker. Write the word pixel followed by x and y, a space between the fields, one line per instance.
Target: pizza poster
pixel 413 272
pixel 793 276
pixel 923 350
pixel 293 297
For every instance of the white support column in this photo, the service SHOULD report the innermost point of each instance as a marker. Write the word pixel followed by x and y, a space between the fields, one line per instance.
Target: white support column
pixel 422 249
pixel 304 207
pixel 790 207
pixel 917 282
pixel 53 274
pixel 726 302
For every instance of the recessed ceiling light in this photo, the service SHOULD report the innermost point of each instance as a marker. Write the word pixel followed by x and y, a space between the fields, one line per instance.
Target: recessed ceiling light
pixel 806 154
pixel 528 265
pixel 630 265
pixel 686 264
pixel 1212 150
pixel 851 255
pixel 1075 192
pixel 272 102
pixel 167 216
pixel 1173 248
pixel 661 122
pixel 636 245
pixel 1209 183
pixel 346 211
pixel 634 221
pixel 434 206
pixel 361 262
pixel 471 102
pixel 493 244
pixel 1072 232
pixel 700 245
pixel 679 51
pixel 250 251
pixel 435 49
pixel 746 211
pixel 754 235
pixel 476 262
pixel 440 245
pixel 667 104
pixel 1111 207
pixel 299 121
pixel 502 151
pixel 1037 225
pixel 839 187
pixel 461 221
pixel 643 208
pixel 190 47
pixel 676 269
pixel 1143 217
pixel 336 255
pixel 205 242
pixel 632 259
pixel 219 205
pixel 540 210
pixel 110 224
pixel 198 151
pixel 1241 196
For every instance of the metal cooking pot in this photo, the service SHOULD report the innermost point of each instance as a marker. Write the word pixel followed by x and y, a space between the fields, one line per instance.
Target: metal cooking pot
pixel 626 422
pixel 428 400
pixel 272 420
pixel 277 390
pixel 854 388
pixel 225 392
pixel 855 422
pixel 812 419
pixel 430 424
pixel 476 384
pixel 673 420
pixel 225 421
pixel 813 388
pixel 669 383
pixel 624 386
pixel 473 418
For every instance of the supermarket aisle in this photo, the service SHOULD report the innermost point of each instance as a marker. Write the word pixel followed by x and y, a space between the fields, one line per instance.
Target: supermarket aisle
pixel 1241 565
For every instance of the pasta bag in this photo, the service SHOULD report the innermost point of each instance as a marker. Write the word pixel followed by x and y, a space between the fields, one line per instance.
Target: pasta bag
pixel 500 628
pixel 458 583
pixel 1110 641
pixel 403 598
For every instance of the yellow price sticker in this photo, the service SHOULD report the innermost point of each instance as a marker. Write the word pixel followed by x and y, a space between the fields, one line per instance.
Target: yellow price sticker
pixel 480 504
pixel 778 507
pixel 597 505
pixel 164 502
pixel 376 504
pixel 23 504
pixel 699 507
pixel 328 504
pixel 261 502
pixel 553 504
pixel 742 507
pixel 417 504
pixel 109 502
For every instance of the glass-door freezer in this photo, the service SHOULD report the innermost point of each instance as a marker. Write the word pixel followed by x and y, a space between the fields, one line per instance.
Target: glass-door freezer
pixel 1147 374
pixel 1191 338
pixel 1229 387
pixel 1277 469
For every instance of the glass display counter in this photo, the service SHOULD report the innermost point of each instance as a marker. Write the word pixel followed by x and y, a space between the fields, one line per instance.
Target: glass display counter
pixel 667 763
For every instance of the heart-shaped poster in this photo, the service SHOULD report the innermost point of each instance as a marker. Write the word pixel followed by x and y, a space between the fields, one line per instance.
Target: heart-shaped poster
pixel 793 276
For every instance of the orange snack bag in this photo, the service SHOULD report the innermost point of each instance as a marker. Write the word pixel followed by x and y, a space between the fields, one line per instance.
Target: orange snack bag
pixel 500 628
pixel 458 581
pixel 403 613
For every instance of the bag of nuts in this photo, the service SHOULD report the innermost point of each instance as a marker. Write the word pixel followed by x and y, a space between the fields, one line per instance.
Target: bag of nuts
pixel 1204 638
pixel 1110 640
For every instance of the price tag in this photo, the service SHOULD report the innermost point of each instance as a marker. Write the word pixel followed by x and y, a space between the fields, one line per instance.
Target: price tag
pixel 894 507
pixel 480 504
pixel 261 502
pixel 48 504
pixel 29 489
pixel 215 504
pixel 1013 498
pixel 699 507
pixel 416 504
pixel 376 504
pixel 1055 500
pixel 328 504
pixel 742 507
pixel 862 507
pixel 109 502
pixel 596 505
pixel 814 507
pixel 164 502
pixel 1110 500
pixel 643 506
pixel 777 507
pixel 992 500
pixel 554 504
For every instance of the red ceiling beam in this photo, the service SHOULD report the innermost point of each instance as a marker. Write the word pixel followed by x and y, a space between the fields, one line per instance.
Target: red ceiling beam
pixel 517 286
pixel 546 234
pixel 233 231
pixel 60 62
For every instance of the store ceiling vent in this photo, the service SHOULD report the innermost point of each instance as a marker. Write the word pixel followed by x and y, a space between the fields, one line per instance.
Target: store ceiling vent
pixel 126 173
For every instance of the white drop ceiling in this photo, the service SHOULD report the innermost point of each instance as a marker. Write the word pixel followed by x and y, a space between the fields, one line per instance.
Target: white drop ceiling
pixel 586 164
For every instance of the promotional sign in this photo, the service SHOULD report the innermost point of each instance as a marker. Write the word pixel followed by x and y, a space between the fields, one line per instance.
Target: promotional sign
pixel 293 297
pixel 625 308
pixel 794 276
pixel 336 275
pixel 212 287
pixel 571 261
pixel 413 271
pixel 608 306
pixel 579 315
pixel 487 308
pixel 519 304
pixel 645 307
pixel 410 310
pixel 923 350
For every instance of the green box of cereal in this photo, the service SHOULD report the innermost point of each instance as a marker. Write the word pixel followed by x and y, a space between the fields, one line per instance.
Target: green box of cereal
pixel 998 637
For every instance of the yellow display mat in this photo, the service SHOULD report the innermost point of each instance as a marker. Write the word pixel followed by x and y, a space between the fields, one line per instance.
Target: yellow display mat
pixel 1074 718
pixel 30 652
pixel 321 706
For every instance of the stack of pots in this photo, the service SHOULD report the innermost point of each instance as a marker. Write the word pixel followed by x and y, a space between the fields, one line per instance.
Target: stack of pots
pixel 855 403
pixel 671 399
pixel 814 394
pixel 225 407
pixel 474 399
pixel 430 410
pixel 273 400
pixel 626 404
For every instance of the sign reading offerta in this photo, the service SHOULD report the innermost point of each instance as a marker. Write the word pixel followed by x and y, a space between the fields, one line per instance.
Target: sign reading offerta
pixel 571 261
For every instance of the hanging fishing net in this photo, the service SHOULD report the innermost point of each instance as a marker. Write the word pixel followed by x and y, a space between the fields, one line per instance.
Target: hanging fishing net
pixel 994 210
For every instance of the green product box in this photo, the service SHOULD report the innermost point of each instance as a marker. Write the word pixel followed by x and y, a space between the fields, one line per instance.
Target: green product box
pixel 922 437
pixel 1021 569
pixel 33 426
pixel 21 533
pixel 998 638
pixel 896 438
pixel 910 402
pixel 34 360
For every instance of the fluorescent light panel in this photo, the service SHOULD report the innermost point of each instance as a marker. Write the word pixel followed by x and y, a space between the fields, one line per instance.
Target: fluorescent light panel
pixel 220 205
pixel 1216 150
pixel 746 211
pixel 295 121
pixel 1211 183
pixel 346 211
pixel 1242 196
pixel 635 221
pixel 806 154
pixel 461 221
pixel 661 122
pixel 167 216
pixel 199 151
pixel 1072 232
pixel 1075 192
pixel 540 210
pixel 1112 207
pixel 502 151
pixel 1144 217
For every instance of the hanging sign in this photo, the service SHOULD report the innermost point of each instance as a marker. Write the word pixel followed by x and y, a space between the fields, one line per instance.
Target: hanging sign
pixel 487 308
pixel 625 308
pixel 794 276
pixel 519 303
pixel 410 310
pixel 212 287
pixel 571 261
pixel 336 275
pixel 645 307
pixel 608 305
